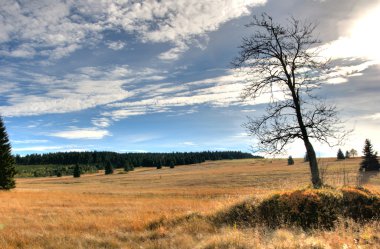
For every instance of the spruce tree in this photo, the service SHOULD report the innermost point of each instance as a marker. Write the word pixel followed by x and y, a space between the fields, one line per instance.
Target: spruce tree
pixel 348 155
pixel 290 160
pixel 126 166
pixel 108 169
pixel 76 172
pixel 370 162
pixel 171 165
pixel 340 155
pixel 7 168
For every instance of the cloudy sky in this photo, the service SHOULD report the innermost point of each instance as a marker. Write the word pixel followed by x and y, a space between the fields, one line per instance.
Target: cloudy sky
pixel 154 75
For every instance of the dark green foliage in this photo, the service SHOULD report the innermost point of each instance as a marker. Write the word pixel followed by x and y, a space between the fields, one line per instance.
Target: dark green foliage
pixel 108 169
pixel 307 208
pixel 171 165
pixel 290 160
pixel 340 155
pixel 370 162
pixel 135 159
pixel 51 170
pixel 59 173
pixel 7 168
pixel 76 171
pixel 127 166
pixel 158 165
pixel 347 155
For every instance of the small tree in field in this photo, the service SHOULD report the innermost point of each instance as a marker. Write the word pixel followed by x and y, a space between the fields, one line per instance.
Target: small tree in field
pixel 108 169
pixel 76 171
pixel 7 168
pixel 126 166
pixel 353 153
pixel 283 62
pixel 340 155
pixel 290 160
pixel 171 165
pixel 370 162
pixel 347 155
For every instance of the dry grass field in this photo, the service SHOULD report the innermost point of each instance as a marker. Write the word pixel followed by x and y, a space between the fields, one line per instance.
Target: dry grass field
pixel 114 211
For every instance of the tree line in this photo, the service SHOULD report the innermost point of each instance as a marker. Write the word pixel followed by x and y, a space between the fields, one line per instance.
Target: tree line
pixel 121 160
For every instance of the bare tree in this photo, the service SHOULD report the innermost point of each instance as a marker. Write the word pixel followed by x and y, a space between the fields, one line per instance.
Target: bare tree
pixel 283 61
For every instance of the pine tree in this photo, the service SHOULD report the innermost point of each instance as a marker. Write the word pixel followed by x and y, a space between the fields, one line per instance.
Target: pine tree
pixel 340 155
pixel 7 168
pixel 348 155
pixel 127 166
pixel 171 165
pixel 370 161
pixel 76 172
pixel 290 160
pixel 108 169
pixel 159 165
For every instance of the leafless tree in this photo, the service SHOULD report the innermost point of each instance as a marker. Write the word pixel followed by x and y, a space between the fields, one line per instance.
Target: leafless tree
pixel 283 62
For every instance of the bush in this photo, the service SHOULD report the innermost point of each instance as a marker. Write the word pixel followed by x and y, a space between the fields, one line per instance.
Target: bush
pixel 108 168
pixel 290 160
pixel 361 204
pixel 305 208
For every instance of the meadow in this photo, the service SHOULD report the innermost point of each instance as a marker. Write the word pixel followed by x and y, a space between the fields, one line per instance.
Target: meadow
pixel 116 211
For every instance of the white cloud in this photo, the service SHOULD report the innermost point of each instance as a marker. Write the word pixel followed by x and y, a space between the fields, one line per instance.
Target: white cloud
pixel 361 41
pixel 37 148
pixel 87 88
pixel 81 133
pixel 56 28
pixel 101 122
pixel 31 141
pixel 116 45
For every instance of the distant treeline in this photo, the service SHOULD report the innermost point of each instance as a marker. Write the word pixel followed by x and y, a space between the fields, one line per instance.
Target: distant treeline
pixel 120 160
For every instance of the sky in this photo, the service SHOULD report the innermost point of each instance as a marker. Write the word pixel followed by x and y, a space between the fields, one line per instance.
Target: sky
pixel 156 76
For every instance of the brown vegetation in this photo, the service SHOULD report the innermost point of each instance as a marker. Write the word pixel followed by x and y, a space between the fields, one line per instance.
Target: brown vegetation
pixel 166 208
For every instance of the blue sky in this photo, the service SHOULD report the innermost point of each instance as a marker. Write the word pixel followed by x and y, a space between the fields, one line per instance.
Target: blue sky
pixel 156 75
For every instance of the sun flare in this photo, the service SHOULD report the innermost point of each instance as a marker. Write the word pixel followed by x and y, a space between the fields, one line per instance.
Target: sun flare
pixel 362 40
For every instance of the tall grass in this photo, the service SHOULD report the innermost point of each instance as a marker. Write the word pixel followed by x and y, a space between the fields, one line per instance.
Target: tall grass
pixel 115 211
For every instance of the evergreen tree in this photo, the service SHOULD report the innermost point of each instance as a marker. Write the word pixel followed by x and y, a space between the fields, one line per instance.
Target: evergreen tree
pixel 348 155
pixel 171 165
pixel 127 166
pixel 7 168
pixel 370 161
pixel 290 160
pixel 76 172
pixel 108 169
pixel 59 173
pixel 159 165
pixel 340 155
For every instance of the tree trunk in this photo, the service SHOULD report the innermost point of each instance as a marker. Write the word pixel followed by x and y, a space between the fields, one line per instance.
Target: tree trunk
pixel 313 163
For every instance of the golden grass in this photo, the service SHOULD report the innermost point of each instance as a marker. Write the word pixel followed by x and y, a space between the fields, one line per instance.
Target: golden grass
pixel 113 211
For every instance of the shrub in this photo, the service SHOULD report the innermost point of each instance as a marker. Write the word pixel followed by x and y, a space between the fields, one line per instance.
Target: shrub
pixel 360 204
pixel 305 208
pixel 290 160
pixel 108 168
pixel 76 171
